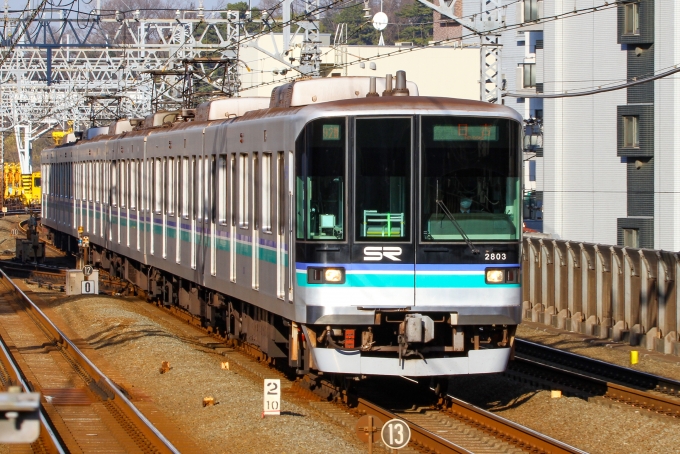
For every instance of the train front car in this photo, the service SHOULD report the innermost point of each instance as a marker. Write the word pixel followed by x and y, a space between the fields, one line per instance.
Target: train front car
pixel 407 229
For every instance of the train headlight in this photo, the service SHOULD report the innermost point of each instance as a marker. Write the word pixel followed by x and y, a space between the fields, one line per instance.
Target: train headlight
pixel 325 275
pixel 502 275
pixel 334 275
pixel 495 276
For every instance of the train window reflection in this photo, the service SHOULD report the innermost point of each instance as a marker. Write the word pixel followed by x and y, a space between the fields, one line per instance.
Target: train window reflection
pixel 470 171
pixel 383 166
pixel 320 180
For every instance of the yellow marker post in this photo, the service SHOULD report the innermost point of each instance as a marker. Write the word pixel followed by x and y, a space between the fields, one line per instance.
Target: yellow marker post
pixel 634 357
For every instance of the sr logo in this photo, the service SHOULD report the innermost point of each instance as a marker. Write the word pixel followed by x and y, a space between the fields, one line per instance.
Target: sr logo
pixel 375 253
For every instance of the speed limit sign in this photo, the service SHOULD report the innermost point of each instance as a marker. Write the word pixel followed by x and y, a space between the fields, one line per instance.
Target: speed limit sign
pixel 395 434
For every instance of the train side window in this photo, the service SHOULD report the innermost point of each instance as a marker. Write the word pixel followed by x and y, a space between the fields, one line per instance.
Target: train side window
pixel 140 184
pixel 90 181
pixel 243 192
pixel 158 186
pixel 97 181
pixel 171 186
pixel 123 184
pixel 80 184
pixel 283 192
pixel 266 193
pixel 222 189
pixel 114 183
pixel 133 184
pixel 199 192
pixel 185 187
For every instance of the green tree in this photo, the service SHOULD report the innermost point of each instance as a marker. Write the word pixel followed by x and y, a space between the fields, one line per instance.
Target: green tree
pixel 417 23
pixel 359 29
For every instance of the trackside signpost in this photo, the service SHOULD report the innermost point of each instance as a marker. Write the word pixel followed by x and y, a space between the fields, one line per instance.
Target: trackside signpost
pixel 395 434
pixel 272 397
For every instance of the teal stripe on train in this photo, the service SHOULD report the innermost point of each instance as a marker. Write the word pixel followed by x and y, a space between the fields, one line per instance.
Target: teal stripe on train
pixel 244 249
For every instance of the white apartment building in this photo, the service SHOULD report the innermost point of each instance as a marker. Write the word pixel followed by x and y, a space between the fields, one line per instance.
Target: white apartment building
pixel 608 167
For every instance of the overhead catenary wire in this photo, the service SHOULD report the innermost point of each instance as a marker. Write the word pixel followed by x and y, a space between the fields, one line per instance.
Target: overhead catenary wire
pixel 567 15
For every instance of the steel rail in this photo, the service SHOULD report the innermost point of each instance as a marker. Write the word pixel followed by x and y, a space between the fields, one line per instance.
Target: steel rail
pixel 517 434
pixel 154 436
pixel 419 436
pixel 597 367
pixel 499 427
pixel 615 391
pixel 48 433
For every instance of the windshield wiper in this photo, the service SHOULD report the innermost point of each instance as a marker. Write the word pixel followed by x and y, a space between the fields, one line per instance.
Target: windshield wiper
pixel 447 212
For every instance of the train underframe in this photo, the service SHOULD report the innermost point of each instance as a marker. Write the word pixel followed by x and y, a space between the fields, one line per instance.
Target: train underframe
pixel 398 335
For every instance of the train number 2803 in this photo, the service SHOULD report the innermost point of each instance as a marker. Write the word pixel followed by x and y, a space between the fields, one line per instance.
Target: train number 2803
pixel 495 256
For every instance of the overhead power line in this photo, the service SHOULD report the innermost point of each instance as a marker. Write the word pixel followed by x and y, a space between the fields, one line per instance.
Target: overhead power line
pixel 566 94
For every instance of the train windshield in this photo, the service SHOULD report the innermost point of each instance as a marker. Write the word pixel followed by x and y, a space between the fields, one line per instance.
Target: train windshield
pixel 470 172
pixel 320 180
pixel 383 183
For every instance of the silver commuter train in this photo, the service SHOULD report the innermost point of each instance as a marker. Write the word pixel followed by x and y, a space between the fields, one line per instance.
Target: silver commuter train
pixel 333 228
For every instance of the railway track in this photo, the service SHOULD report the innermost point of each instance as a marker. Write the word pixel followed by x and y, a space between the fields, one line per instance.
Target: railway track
pixel 590 378
pixel 86 410
pixel 11 376
pixel 455 427
pixel 465 428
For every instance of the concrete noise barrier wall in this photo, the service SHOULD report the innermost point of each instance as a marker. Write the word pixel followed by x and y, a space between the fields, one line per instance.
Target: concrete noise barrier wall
pixel 611 292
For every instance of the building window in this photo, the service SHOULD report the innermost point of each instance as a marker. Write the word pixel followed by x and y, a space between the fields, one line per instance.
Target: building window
pixel 532 170
pixel 631 135
pixel 530 10
pixel 631 238
pixel 529 73
pixel 631 19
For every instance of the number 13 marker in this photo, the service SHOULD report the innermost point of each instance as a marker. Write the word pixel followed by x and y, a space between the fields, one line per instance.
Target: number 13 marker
pixel 272 397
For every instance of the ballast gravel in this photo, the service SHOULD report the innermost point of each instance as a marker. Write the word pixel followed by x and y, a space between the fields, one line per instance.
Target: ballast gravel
pixel 135 338
pixel 596 425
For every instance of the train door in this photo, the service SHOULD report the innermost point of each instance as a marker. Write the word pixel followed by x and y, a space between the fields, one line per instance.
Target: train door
pixel 214 192
pixel 283 191
pixel 195 190
pixel 232 223
pixel 382 272
pixel 164 207
pixel 257 191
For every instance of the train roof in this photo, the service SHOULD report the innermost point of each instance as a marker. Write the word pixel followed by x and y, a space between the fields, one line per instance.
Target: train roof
pixel 381 105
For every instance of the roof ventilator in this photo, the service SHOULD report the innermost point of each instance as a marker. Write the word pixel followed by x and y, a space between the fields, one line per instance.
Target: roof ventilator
pixel 388 85
pixel 401 89
pixel 372 91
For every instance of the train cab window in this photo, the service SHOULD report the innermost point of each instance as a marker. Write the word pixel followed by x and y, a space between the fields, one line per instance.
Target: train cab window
pixel 320 180
pixel 383 179
pixel 470 179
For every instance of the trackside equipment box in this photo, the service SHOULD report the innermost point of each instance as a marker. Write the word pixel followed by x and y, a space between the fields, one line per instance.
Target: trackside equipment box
pixel 77 285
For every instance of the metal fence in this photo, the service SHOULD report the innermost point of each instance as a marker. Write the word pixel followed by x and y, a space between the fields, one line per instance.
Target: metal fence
pixel 614 292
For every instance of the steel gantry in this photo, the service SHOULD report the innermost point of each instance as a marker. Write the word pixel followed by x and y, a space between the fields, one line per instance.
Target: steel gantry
pixel 486 23
pixel 57 68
